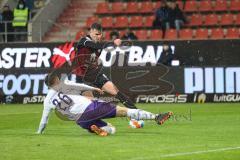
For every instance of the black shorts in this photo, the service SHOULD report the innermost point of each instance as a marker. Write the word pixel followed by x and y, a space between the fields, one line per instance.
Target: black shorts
pixel 98 79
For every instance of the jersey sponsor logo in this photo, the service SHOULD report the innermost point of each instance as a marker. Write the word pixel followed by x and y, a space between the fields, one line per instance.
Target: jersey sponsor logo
pixel 226 98
pixel 33 99
pixel 212 80
pixel 181 98
pixel 25 58
pixel 23 84
pixel 132 56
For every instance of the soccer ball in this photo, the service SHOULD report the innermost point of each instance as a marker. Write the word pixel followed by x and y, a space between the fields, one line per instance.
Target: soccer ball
pixel 136 124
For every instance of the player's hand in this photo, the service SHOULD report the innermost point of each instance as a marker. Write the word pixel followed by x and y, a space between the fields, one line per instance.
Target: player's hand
pixel 99 91
pixel 117 42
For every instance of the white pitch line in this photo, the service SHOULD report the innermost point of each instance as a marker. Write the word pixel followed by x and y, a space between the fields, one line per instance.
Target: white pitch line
pixel 185 153
pixel 200 152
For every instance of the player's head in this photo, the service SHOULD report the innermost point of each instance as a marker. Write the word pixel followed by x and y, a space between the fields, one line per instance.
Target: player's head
pixel 96 32
pixel 52 79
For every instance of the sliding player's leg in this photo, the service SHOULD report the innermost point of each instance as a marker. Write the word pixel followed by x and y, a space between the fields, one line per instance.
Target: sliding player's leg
pixel 142 115
pixel 99 127
pixel 91 118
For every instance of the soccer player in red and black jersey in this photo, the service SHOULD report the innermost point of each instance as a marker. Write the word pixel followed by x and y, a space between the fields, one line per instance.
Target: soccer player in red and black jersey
pixel 88 50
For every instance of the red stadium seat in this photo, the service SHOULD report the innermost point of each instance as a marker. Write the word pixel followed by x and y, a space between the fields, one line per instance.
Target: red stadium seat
pixel 232 33
pixel 191 6
pixel 196 20
pixel 121 22
pixel 180 4
pixel 102 8
pixel 91 20
pixel 205 6
pixel 157 5
pixel 211 20
pixel 221 5
pixel 201 33
pixel 226 19
pixel 107 22
pixel 217 33
pixel 132 7
pixel 146 7
pixel 237 21
pixel 117 7
pixel 141 34
pixel 149 21
pixel 235 5
pixel 171 34
pixel 107 35
pixel 186 34
pixel 136 21
pixel 156 34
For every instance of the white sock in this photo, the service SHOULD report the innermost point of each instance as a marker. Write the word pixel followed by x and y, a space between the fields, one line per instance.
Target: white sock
pixel 140 114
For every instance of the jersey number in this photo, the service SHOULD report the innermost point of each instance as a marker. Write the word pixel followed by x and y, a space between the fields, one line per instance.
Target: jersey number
pixel 64 98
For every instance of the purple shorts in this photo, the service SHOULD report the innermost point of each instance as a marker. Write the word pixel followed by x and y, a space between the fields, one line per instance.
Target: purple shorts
pixel 96 111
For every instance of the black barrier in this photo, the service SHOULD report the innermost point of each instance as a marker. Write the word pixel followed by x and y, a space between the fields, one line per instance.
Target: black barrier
pixel 24 66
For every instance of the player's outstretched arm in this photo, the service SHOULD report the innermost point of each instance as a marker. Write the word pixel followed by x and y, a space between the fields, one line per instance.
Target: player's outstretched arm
pixel 44 120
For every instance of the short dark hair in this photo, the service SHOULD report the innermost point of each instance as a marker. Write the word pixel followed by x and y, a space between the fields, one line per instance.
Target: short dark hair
pixel 50 79
pixel 96 26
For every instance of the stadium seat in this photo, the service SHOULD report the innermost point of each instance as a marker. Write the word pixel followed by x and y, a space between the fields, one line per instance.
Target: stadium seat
pixel 107 35
pixel 171 34
pixel 121 22
pixel 122 32
pixel 186 34
pixel 146 7
pixel 211 20
pixel 149 21
pixel 221 5
pixel 191 6
pixel 226 19
pixel 235 5
pixel 142 34
pixel 91 20
pixel 79 35
pixel 205 6
pixel 102 8
pixel 157 5
pixel 132 7
pixel 237 21
pixel 196 20
pixel 201 33
pixel 180 4
pixel 117 7
pixel 136 21
pixel 217 33
pixel 156 34
pixel 232 33
pixel 107 22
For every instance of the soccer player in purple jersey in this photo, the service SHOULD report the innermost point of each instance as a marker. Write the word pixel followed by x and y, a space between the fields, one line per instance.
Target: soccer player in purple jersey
pixel 87 112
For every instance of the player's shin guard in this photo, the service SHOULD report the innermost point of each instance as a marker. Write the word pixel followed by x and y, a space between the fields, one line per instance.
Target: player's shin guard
pixel 139 114
pixel 125 101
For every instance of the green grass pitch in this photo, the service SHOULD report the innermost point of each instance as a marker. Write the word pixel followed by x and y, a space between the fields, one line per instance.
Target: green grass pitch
pixel 196 132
